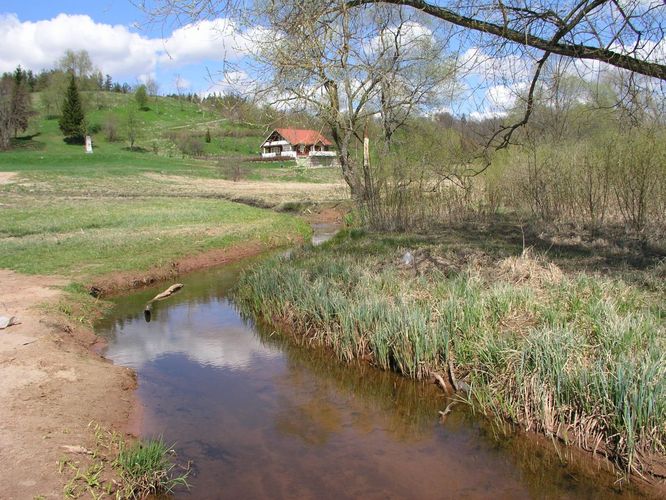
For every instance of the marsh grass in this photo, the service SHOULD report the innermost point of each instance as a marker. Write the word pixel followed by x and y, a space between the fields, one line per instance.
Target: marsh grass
pixel 577 357
pixel 147 468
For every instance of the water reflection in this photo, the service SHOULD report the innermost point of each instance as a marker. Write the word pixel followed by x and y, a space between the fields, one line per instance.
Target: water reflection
pixel 265 418
pixel 212 334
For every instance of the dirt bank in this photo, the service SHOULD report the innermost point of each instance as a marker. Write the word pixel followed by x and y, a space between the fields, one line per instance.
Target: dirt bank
pixel 122 281
pixel 54 384
pixel 52 387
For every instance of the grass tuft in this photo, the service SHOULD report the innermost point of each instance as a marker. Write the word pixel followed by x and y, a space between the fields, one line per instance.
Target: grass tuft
pixel 147 468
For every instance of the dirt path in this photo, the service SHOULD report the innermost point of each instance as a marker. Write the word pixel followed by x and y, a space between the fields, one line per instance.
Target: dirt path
pixel 7 177
pixel 52 386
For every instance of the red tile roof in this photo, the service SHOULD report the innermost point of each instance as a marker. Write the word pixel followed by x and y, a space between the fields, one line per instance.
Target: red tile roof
pixel 302 136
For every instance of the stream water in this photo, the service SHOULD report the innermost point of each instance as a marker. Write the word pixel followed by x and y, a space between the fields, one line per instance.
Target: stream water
pixel 261 417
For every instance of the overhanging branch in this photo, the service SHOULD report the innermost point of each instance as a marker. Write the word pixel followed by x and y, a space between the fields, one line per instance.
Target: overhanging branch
pixel 574 50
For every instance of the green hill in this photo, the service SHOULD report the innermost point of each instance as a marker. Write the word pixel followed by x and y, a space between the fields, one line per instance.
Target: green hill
pixel 170 140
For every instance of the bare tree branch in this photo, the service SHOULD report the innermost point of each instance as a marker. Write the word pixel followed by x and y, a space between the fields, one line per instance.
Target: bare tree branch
pixel 601 53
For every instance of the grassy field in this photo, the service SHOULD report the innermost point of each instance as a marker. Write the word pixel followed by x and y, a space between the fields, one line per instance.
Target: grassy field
pixel 91 237
pixel 573 354
pixel 86 215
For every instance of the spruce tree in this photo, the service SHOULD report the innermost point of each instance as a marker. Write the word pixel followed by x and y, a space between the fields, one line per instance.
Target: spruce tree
pixel 72 121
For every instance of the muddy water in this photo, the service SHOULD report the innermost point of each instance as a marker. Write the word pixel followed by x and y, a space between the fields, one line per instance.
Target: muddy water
pixel 263 418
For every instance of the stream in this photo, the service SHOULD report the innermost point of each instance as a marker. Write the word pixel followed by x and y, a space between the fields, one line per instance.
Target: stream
pixel 262 417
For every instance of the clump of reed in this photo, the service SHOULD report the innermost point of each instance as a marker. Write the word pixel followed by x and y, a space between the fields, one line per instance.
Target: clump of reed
pixel 577 357
pixel 146 468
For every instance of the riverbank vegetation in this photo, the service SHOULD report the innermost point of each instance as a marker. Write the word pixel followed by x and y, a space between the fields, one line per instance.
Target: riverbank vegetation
pixel 576 355
pixel 120 469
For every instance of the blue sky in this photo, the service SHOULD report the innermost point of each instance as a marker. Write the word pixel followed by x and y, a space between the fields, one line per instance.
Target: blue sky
pixel 122 43
pixel 35 33
pixel 119 39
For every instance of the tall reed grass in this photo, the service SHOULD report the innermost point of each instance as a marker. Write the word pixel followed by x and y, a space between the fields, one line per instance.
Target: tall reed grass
pixel 581 358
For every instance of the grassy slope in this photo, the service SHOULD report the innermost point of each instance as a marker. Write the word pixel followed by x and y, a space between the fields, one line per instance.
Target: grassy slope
pixel 577 356
pixel 42 151
pixel 86 215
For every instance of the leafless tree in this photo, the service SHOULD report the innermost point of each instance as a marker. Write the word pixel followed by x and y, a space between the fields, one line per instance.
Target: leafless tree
pixel 77 62
pixel 347 67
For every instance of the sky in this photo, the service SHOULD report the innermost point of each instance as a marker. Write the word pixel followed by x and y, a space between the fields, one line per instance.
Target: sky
pixel 191 57
pixel 123 43
pixel 119 39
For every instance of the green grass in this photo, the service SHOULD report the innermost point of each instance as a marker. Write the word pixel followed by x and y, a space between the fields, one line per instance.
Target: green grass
pixel 85 215
pixel 91 237
pixel 146 468
pixel 575 356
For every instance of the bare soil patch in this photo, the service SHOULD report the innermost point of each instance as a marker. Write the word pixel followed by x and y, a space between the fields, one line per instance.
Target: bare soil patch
pixel 7 177
pixel 53 386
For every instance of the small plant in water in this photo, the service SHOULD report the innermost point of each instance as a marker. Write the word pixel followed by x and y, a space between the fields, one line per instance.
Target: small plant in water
pixel 147 468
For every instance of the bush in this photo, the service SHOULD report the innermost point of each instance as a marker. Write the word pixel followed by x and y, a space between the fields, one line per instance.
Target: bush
pixel 233 170
pixel 111 128
pixel 192 146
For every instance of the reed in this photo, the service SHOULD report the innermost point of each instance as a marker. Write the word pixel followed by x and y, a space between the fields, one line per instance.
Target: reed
pixel 578 357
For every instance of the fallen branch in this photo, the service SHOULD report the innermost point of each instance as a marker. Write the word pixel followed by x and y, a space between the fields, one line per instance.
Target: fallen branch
pixel 165 294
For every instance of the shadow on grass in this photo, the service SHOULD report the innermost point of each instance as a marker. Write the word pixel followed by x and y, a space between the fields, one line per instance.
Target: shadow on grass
pixel 28 143
pixel 605 250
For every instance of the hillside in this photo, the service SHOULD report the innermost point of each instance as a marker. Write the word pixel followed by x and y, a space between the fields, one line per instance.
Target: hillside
pixel 170 139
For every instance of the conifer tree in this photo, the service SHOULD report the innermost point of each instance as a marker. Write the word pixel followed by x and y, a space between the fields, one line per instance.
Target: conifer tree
pixel 72 121
pixel 208 135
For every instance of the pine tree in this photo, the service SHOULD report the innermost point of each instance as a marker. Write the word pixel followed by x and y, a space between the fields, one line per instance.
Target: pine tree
pixel 208 135
pixel 72 121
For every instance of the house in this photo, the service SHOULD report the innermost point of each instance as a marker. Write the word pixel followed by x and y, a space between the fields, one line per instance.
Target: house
pixel 307 147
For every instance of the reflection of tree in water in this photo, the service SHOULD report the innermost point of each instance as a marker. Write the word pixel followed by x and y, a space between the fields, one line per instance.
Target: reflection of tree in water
pixel 370 398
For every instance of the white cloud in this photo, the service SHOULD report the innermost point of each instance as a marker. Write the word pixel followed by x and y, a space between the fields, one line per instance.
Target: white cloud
pixel 214 39
pixel 233 82
pixel 474 61
pixel 115 49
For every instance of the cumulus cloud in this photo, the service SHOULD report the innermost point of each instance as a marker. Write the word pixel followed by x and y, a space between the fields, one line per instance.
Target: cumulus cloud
pixel 114 48
pixel 209 39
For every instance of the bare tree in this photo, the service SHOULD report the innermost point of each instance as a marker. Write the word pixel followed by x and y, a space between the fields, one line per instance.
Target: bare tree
pixel 179 84
pixel 626 34
pixel 6 118
pixel 77 62
pixel 133 127
pixel 348 67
